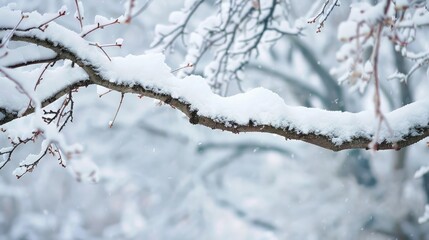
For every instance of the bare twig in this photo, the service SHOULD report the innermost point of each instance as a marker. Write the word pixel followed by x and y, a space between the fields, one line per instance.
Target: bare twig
pixel 41 74
pixel 79 16
pixel 99 26
pixel 130 15
pixel 323 14
pixel 32 166
pixel 117 111
pixel 118 43
pixel 55 151
pixel 189 65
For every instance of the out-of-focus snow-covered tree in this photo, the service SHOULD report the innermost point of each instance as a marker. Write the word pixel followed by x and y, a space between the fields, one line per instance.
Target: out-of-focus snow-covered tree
pixel 234 32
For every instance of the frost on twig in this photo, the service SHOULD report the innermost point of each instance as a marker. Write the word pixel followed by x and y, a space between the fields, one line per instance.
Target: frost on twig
pixel 5 40
pixel 118 43
pixel 63 114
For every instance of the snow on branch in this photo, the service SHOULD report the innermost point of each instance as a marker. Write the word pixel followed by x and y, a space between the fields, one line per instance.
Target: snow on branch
pixel 258 110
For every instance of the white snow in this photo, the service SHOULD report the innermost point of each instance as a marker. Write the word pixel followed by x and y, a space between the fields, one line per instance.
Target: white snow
pixel 98 19
pixel 177 17
pixel 32 158
pixel 26 54
pixel 19 171
pixel 425 216
pixel 102 90
pixel 53 80
pixel 422 171
pixel 119 41
pixel 84 169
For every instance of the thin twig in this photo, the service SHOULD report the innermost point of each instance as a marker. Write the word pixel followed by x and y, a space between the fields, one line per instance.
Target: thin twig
pixel 117 111
pixel 41 74
pixel 189 65
pixel 99 26
pixel 42 27
pixel 101 48
pixel 30 167
pixel 15 145
pixel 79 16
pixel 101 95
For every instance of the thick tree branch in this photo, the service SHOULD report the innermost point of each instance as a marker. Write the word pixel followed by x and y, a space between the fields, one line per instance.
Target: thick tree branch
pixel 318 137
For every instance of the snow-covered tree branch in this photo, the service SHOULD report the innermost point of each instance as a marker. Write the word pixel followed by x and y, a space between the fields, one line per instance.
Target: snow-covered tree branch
pixel 258 110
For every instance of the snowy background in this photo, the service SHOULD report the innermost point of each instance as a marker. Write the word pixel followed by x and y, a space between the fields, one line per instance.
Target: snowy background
pixel 155 176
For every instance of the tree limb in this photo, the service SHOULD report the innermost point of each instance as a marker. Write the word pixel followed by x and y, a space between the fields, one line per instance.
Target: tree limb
pixel 317 137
